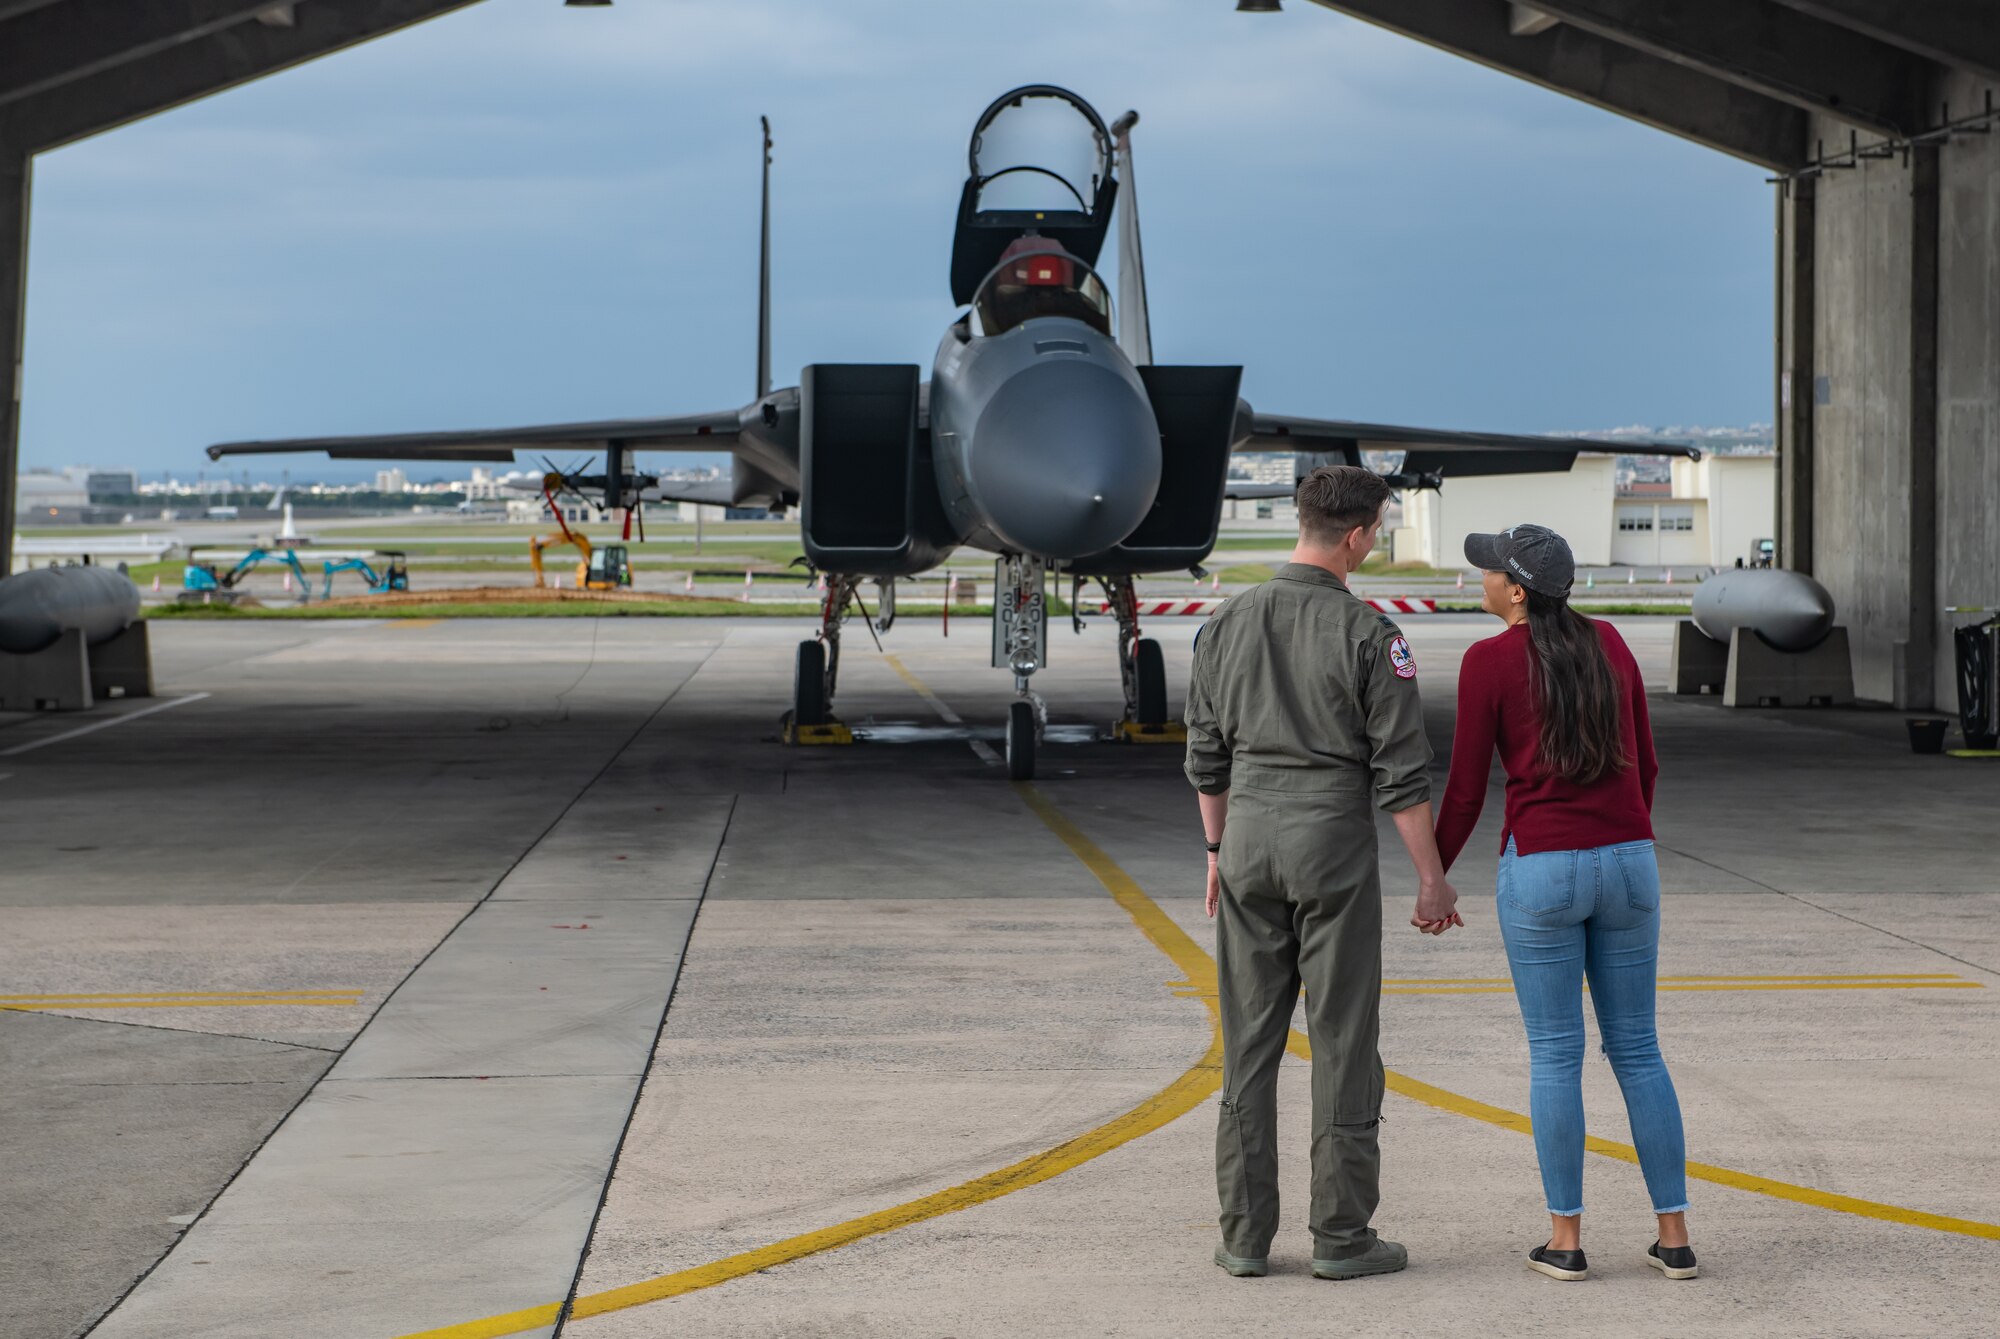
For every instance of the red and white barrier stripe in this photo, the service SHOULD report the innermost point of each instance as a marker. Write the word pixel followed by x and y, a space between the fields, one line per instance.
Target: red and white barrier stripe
pixel 1170 608
pixel 1184 608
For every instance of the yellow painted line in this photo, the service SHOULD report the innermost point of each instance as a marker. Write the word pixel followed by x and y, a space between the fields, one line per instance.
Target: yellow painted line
pixel 1813 976
pixel 1664 988
pixel 1842 985
pixel 412 622
pixel 1831 976
pixel 1178 1098
pixel 1418 1091
pixel 76 1006
pixel 329 993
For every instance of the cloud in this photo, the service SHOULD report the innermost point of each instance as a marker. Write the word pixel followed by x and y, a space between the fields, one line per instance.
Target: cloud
pixel 523 211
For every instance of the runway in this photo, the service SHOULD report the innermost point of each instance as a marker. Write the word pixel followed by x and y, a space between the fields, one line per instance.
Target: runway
pixel 869 1041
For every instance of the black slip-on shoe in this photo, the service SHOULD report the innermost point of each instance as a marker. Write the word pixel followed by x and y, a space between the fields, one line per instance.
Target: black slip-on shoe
pixel 1569 1266
pixel 1243 1266
pixel 1676 1262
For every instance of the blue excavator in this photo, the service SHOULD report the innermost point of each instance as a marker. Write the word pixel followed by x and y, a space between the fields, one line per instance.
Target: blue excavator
pixel 394 575
pixel 201 582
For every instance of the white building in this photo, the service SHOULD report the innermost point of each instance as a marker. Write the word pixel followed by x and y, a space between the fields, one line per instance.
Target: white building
pixel 532 511
pixel 40 492
pixel 391 481
pixel 481 487
pixel 1711 514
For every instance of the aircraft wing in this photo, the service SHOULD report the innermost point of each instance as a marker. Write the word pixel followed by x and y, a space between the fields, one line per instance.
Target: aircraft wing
pixel 1434 451
pixel 716 431
pixel 1241 490
pixel 717 491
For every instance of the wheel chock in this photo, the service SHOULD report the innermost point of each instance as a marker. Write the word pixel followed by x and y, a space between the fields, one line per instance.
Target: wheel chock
pixel 833 732
pixel 1129 731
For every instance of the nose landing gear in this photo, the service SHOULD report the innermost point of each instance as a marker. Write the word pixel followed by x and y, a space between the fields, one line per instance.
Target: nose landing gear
pixel 1021 644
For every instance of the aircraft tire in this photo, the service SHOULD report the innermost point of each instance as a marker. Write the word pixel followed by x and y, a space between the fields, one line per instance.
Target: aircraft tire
pixel 1021 741
pixel 1151 668
pixel 809 685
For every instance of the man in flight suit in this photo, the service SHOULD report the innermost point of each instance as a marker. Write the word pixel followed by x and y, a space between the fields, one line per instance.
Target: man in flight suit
pixel 1302 719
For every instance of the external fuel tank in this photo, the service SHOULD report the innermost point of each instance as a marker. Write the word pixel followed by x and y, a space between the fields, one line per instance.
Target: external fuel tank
pixel 1789 610
pixel 37 607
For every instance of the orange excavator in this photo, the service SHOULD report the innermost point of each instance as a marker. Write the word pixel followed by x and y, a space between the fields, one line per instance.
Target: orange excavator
pixel 598 568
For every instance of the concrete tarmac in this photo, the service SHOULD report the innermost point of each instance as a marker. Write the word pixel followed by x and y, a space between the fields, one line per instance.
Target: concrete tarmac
pixel 282 1060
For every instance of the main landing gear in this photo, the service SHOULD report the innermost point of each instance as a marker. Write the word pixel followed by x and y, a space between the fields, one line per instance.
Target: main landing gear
pixel 1142 671
pixel 817 669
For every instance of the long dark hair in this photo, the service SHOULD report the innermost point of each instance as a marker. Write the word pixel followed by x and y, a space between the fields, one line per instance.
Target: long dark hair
pixel 1579 699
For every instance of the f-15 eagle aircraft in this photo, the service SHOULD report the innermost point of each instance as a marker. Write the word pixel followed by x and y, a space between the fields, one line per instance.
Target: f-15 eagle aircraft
pixel 1045 434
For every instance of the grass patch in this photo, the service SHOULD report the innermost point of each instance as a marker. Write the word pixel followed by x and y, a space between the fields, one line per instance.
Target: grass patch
pixel 1247 573
pixel 1663 608
pixel 558 609
pixel 493 609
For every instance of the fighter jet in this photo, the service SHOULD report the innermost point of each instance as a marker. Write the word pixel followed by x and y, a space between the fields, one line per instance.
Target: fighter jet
pixel 1045 434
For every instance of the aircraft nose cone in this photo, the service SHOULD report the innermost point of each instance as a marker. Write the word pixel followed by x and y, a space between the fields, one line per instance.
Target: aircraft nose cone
pixel 1065 458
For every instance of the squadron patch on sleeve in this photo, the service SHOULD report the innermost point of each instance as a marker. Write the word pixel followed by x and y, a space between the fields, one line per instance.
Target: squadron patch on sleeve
pixel 1400 658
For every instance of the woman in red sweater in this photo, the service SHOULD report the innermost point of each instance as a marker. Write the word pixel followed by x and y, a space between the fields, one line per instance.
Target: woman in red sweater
pixel 1560 697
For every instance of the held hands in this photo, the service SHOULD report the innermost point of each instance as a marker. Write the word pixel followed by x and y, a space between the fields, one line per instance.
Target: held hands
pixel 1437 907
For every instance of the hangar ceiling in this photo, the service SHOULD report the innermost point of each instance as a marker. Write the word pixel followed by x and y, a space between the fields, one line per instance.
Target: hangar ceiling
pixel 1741 76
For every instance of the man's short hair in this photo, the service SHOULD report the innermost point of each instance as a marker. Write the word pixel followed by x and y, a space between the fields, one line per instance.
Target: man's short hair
pixel 1334 499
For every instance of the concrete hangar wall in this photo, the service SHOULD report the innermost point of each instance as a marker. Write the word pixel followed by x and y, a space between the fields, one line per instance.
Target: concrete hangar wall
pixel 1875 120
pixel 1873 117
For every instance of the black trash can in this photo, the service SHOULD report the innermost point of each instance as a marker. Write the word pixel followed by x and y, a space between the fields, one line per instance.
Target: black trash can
pixel 1927 733
pixel 1978 701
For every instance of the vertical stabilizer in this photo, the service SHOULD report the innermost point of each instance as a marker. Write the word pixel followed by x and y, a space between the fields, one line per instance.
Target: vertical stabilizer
pixel 1135 326
pixel 764 274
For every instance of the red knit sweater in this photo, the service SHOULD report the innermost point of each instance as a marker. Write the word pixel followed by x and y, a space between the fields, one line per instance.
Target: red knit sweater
pixel 1496 708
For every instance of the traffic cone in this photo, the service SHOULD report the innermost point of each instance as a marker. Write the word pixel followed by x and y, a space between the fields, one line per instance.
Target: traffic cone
pixel 1461 581
pixel 156 583
pixel 1629 578
pixel 1669 578
pixel 746 585
pixel 1590 581
pixel 690 583
pixel 288 583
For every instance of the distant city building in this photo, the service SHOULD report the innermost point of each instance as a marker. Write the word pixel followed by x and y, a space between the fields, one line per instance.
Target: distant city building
pixel 102 485
pixel 391 481
pixel 482 486
pixel 40 492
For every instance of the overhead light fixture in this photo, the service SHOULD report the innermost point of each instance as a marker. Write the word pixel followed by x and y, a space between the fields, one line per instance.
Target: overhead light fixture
pixel 1260 6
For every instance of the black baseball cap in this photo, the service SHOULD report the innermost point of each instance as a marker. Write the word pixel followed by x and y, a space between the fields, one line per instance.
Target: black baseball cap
pixel 1532 555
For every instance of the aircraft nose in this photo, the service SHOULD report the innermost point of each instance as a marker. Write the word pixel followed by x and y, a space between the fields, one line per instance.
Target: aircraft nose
pixel 1066 458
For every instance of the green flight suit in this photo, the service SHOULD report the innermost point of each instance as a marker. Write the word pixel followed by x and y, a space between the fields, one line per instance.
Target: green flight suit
pixel 1302 705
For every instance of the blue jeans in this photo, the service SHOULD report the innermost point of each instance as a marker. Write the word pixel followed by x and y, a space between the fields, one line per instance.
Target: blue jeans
pixel 1565 914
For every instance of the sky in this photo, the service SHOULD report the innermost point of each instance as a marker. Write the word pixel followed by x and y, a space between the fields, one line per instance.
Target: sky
pixel 527 213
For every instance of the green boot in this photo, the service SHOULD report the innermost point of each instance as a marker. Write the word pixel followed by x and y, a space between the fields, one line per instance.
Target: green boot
pixel 1381 1257
pixel 1243 1266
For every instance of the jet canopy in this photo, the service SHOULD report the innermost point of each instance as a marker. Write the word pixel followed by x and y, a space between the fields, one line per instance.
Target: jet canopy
pixel 1040 163
pixel 1040 151
pixel 1039 278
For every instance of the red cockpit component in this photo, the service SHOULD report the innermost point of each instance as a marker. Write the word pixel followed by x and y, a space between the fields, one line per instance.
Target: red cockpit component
pixel 1044 271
